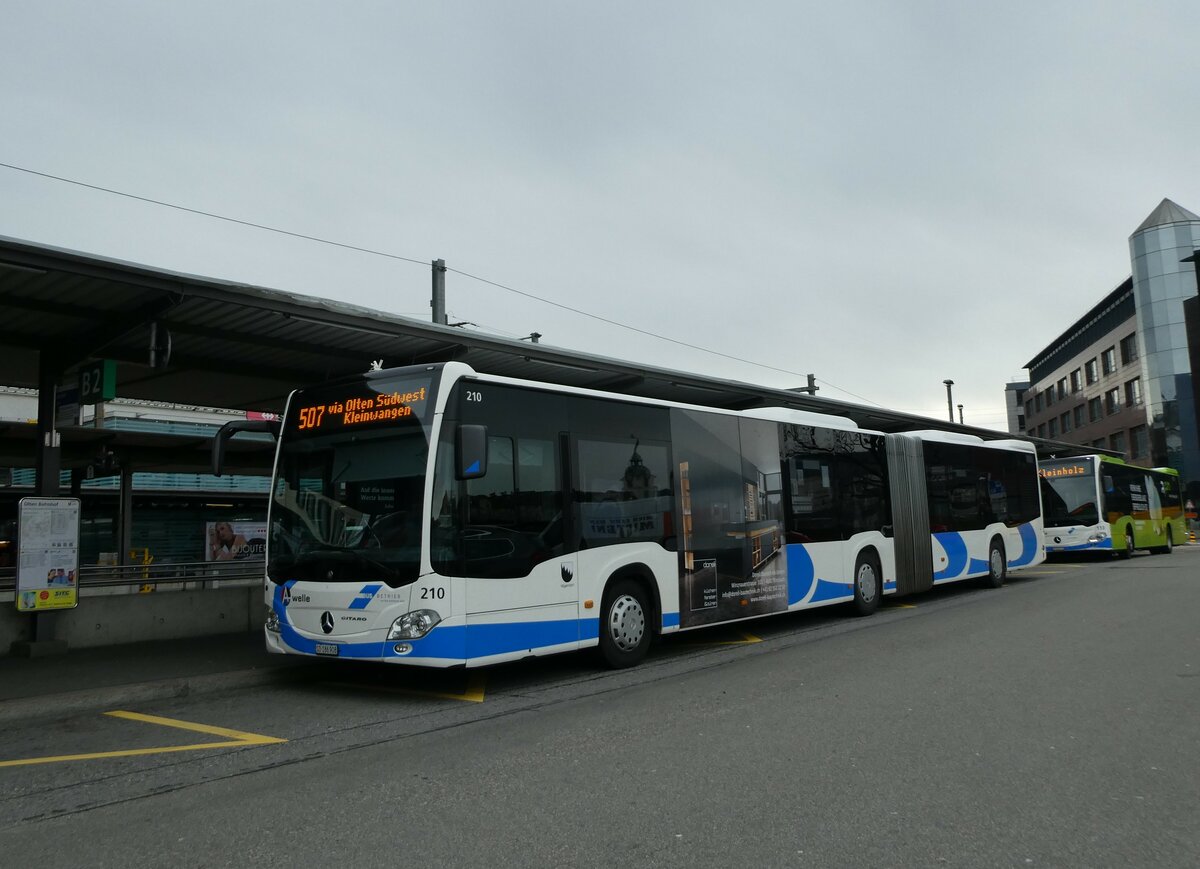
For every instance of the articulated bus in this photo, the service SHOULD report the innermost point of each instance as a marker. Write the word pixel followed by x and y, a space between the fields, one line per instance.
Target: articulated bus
pixel 1102 504
pixel 436 516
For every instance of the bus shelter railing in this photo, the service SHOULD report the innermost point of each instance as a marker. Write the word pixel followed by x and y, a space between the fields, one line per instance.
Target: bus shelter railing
pixel 243 571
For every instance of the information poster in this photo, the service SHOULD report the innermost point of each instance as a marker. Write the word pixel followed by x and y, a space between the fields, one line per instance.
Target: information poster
pixel 47 554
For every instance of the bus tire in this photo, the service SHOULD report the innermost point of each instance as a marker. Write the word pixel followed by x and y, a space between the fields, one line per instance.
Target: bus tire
pixel 868 584
pixel 1166 548
pixel 1127 552
pixel 625 631
pixel 997 565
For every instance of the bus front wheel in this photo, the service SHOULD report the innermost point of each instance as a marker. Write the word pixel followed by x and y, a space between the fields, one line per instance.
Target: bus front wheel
pixel 1127 552
pixel 997 565
pixel 624 624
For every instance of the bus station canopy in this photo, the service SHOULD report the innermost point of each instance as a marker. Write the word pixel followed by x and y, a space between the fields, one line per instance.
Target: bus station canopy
pixel 246 347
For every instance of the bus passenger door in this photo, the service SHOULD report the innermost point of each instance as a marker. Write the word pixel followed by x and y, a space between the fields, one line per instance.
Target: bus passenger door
pixel 521 583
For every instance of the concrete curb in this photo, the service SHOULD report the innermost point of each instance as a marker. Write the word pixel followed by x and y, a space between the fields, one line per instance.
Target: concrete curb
pixel 112 697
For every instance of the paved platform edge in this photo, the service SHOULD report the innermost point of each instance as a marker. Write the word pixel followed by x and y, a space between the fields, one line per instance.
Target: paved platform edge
pixel 117 696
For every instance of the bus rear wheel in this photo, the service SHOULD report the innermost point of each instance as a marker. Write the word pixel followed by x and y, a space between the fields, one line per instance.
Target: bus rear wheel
pixel 997 565
pixel 868 584
pixel 624 624
pixel 1127 552
pixel 1166 548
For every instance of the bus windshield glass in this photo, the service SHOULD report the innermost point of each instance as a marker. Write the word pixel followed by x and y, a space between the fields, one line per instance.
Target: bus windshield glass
pixel 349 490
pixel 1069 493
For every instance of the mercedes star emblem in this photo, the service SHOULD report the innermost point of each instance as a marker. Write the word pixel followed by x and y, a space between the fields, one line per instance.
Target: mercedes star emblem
pixel 327 622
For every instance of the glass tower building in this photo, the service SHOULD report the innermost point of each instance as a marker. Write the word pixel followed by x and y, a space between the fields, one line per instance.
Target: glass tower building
pixel 1161 284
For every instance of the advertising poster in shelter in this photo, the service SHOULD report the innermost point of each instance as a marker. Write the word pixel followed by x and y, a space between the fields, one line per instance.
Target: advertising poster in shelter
pixel 230 541
pixel 47 554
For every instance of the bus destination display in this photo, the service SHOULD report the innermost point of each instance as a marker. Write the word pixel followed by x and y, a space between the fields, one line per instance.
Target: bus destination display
pixel 357 410
pixel 1053 471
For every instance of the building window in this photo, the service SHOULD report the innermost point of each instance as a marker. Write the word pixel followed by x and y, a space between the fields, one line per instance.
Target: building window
pixel 1101 443
pixel 1062 389
pixel 1094 409
pixel 1139 441
pixel 1049 396
pixel 1037 402
pixel 1029 407
pixel 1041 430
pixel 1117 442
pixel 1052 429
pixel 1078 416
pixel 1020 422
pixel 1129 351
pixel 1077 380
pixel 1133 391
pixel 1020 396
pixel 1090 370
pixel 1112 401
pixel 1108 360
pixel 1064 422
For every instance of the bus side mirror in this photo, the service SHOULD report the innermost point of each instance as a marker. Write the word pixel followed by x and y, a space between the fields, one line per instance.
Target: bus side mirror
pixel 471 452
pixel 225 432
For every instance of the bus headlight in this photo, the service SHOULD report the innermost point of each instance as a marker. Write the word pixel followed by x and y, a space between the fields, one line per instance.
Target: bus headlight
pixel 272 621
pixel 413 625
pixel 1098 537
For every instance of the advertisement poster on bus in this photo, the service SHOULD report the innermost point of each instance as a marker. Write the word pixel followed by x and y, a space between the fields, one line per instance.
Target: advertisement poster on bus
pixel 231 541
pixel 47 554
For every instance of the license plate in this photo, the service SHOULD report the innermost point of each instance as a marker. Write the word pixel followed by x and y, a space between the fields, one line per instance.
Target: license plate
pixel 327 649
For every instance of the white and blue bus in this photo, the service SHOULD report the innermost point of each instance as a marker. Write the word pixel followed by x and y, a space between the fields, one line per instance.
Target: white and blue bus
pixel 436 516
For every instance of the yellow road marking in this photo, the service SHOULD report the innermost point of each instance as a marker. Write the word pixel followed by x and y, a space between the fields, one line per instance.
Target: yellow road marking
pixel 473 693
pixel 746 640
pixel 235 739
pixel 900 606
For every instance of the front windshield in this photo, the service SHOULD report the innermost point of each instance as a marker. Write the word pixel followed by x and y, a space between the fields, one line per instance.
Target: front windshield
pixel 1069 493
pixel 349 493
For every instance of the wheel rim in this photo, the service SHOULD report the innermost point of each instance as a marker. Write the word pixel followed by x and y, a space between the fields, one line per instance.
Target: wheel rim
pixel 627 622
pixel 997 562
pixel 867 586
pixel 1168 547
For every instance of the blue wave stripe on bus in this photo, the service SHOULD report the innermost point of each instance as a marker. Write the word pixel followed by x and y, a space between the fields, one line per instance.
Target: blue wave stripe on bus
pixel 482 640
pixel 1076 547
pixel 978 565
pixel 800 572
pixel 827 590
pixel 670 620
pixel 956 554
pixel 1029 542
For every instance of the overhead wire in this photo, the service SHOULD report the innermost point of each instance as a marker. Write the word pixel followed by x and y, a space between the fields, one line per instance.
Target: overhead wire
pixel 380 253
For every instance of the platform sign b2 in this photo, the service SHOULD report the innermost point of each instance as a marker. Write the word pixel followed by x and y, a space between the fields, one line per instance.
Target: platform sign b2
pixel 47 554
pixel 98 381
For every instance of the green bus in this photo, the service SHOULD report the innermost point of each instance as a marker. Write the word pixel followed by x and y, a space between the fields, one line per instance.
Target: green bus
pixel 1100 503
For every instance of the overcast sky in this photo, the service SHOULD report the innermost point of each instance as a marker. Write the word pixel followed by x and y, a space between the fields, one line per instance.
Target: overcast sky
pixel 883 194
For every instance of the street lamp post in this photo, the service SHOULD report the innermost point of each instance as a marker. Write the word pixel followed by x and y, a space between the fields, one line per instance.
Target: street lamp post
pixel 960 422
pixel 950 398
